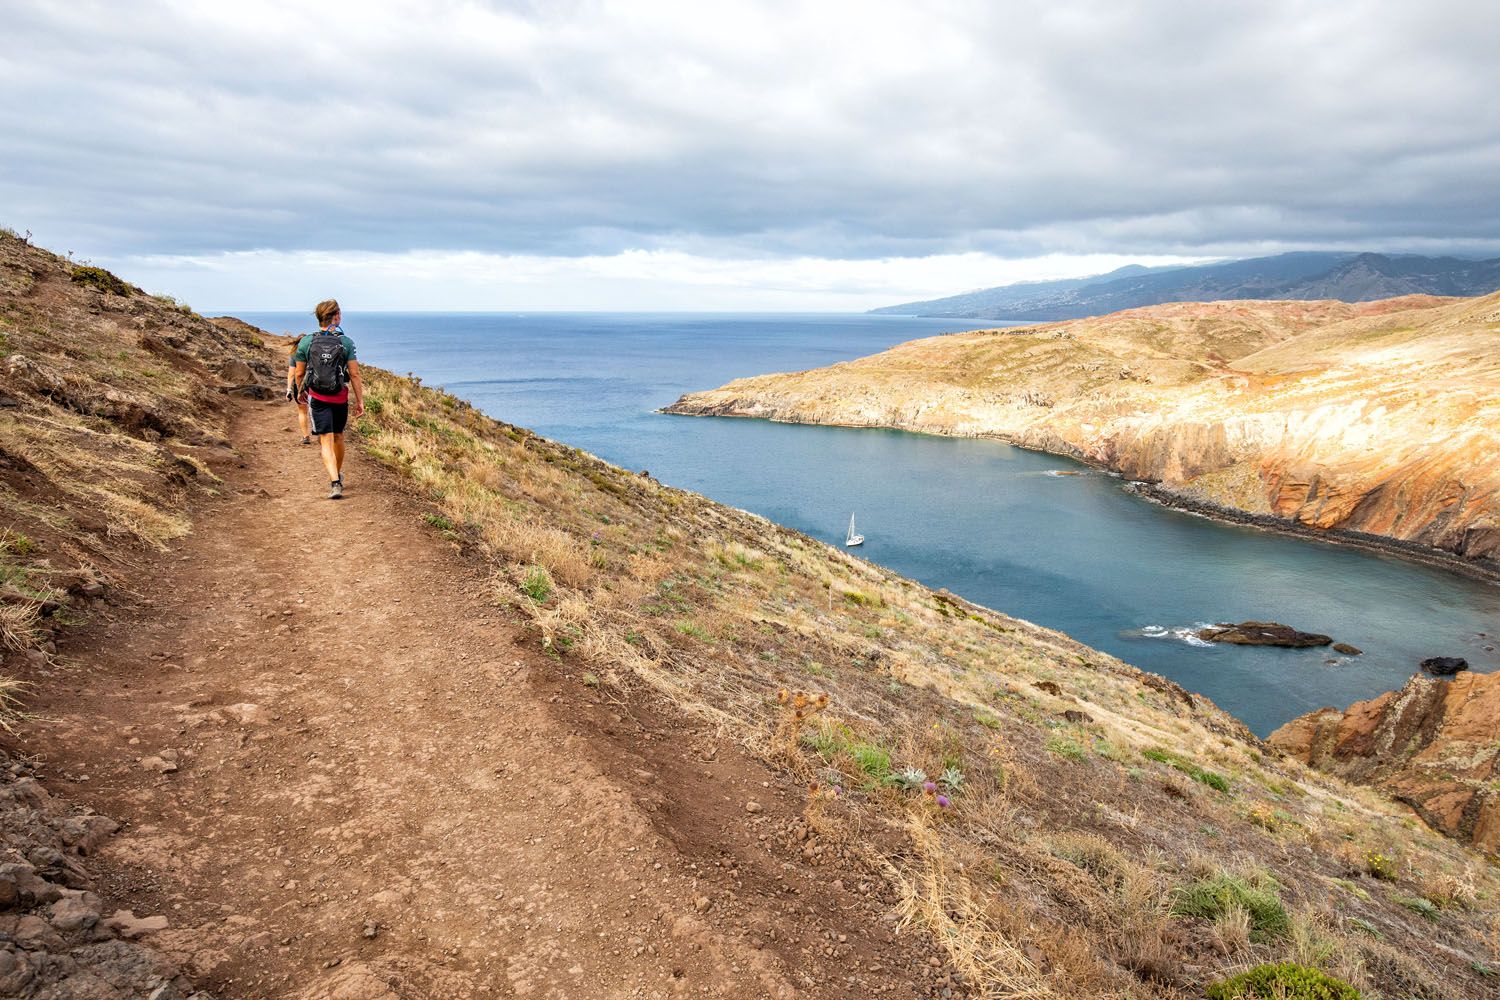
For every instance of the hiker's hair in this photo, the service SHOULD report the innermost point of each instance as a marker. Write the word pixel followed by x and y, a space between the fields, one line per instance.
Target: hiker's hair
pixel 326 310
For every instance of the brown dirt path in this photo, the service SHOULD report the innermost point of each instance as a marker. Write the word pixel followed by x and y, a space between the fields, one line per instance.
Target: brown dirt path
pixel 381 788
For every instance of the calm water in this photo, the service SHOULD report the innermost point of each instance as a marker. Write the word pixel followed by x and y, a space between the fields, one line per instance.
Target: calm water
pixel 985 520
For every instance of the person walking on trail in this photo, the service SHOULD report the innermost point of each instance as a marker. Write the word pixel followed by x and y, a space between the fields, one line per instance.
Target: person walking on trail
pixel 324 368
pixel 294 395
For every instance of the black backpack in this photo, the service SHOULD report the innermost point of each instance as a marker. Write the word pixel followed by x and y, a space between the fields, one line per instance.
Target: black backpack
pixel 327 365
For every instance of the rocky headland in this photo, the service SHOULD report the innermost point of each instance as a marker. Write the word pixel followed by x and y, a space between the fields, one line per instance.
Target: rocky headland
pixel 1432 745
pixel 1372 421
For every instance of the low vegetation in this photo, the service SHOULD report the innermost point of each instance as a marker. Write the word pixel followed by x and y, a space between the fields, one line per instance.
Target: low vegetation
pixel 108 410
pixel 1151 849
pixel 1282 981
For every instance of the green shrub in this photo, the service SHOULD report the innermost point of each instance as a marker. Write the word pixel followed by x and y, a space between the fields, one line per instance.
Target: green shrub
pixel 694 630
pixel 1209 897
pixel 438 521
pixel 1379 866
pixel 1065 747
pixel 98 277
pixel 1188 767
pixel 537 584
pixel 1107 750
pixel 1416 904
pixel 875 761
pixel 1283 981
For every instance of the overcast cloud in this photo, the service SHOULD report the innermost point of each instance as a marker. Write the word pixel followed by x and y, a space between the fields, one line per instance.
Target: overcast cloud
pixel 729 154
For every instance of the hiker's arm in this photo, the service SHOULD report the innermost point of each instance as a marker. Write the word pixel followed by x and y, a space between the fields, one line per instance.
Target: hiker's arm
pixel 358 384
pixel 298 374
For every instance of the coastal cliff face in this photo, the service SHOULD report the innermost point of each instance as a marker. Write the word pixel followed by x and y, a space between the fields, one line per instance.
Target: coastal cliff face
pixel 1381 417
pixel 1431 745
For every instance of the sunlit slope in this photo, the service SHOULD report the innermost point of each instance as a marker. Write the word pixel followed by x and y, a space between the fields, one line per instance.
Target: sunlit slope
pixel 1380 417
pixel 1102 831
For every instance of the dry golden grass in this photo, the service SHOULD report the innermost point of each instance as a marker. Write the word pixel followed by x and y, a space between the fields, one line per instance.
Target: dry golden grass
pixel 111 403
pixel 1053 871
pixel 18 625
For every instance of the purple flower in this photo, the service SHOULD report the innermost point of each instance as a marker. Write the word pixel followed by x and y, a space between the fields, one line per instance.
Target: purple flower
pixel 929 787
pixel 942 801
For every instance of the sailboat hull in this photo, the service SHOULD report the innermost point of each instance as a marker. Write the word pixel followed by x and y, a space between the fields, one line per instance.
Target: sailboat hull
pixel 850 538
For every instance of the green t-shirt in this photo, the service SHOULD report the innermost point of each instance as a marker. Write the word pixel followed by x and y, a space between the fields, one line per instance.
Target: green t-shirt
pixel 300 354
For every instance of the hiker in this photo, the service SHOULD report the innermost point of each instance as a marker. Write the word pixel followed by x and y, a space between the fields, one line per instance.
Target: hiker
pixel 324 370
pixel 294 396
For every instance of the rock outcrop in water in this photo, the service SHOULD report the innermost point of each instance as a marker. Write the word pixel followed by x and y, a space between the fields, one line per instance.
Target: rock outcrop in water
pixel 1381 419
pixel 1431 744
pixel 1263 634
pixel 1444 666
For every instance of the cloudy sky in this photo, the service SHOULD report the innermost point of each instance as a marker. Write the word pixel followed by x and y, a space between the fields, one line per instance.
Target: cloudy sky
pixel 727 155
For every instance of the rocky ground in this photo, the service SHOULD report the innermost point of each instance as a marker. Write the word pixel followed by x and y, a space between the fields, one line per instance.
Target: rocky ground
pixel 58 936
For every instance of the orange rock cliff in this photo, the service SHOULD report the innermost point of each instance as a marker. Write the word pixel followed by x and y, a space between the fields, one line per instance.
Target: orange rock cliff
pixel 1378 418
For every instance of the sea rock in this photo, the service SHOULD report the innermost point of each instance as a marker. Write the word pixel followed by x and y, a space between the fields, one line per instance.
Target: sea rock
pixel 1347 650
pixel 1444 666
pixel 1431 745
pixel 1263 634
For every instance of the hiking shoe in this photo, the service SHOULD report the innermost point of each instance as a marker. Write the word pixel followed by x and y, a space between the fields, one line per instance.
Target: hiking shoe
pixel 306 439
pixel 336 490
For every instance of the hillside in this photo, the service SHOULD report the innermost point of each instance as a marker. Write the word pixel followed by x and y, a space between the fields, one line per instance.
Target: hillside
pixel 1379 419
pixel 548 727
pixel 1302 276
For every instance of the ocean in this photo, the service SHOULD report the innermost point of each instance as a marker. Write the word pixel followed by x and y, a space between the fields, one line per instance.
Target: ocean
pixel 993 523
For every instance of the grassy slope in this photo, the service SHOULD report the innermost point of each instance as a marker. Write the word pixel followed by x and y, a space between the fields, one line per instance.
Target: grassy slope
pixel 109 401
pixel 1083 856
pixel 1380 417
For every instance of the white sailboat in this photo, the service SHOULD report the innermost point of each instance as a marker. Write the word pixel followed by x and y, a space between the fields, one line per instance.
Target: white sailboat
pixel 853 538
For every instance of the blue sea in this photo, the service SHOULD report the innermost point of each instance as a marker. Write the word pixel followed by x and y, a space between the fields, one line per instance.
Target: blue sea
pixel 993 523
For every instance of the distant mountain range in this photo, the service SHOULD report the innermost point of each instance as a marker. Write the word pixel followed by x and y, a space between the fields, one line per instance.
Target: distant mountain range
pixel 1348 277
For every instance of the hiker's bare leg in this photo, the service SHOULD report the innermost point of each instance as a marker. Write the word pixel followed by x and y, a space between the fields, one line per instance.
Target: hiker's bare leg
pixel 333 453
pixel 303 420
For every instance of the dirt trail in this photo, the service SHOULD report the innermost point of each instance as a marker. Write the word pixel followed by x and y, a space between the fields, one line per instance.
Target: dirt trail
pixel 381 789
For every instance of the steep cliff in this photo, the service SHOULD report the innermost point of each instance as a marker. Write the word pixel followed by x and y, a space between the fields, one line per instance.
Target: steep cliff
pixel 1380 418
pixel 1431 744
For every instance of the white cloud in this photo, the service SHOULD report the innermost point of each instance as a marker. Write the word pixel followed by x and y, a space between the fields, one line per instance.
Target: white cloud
pixel 633 280
pixel 751 129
